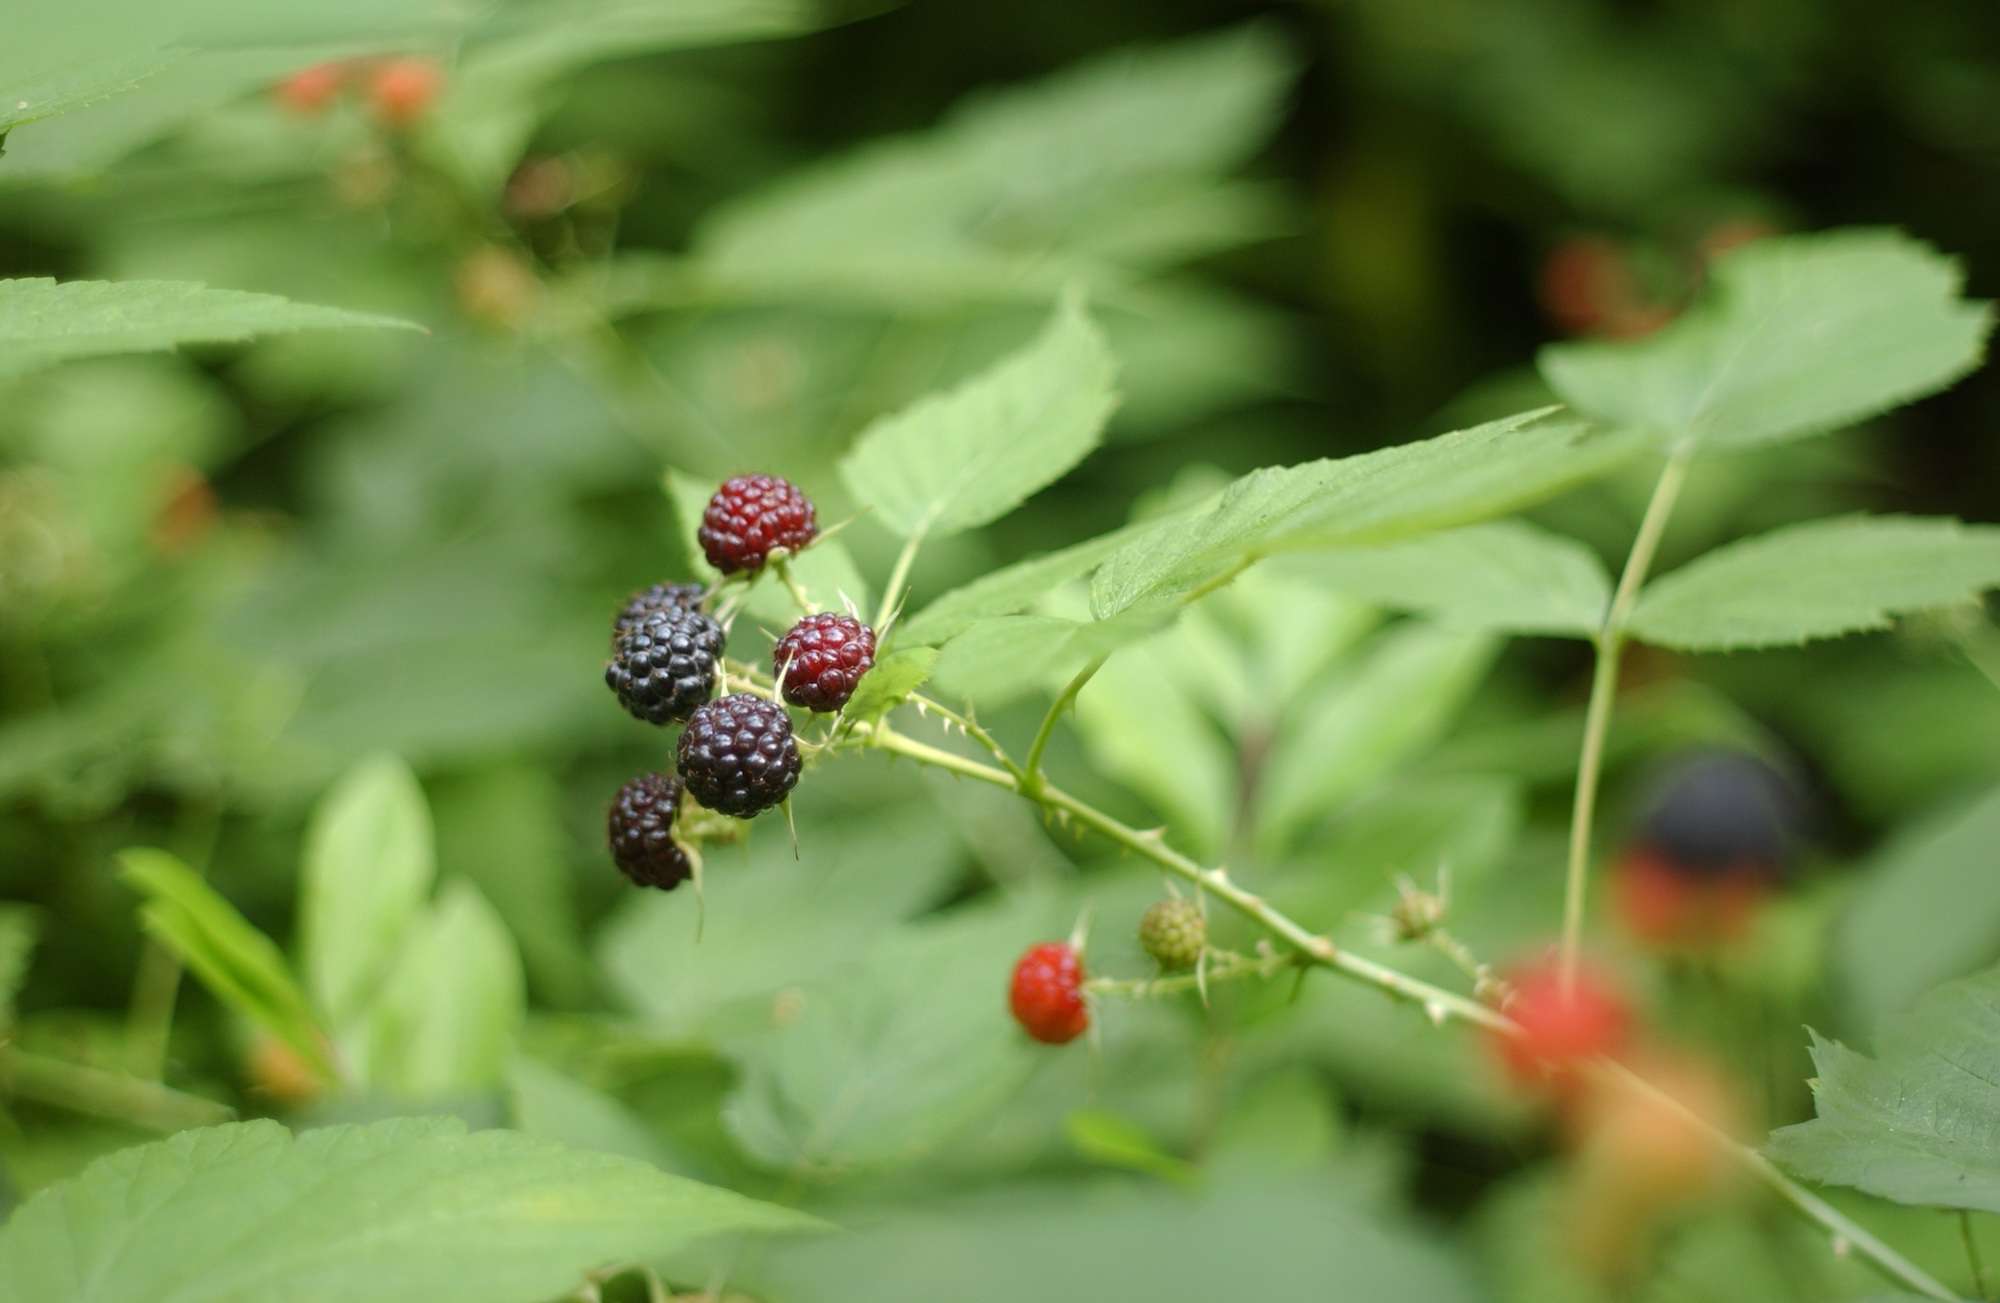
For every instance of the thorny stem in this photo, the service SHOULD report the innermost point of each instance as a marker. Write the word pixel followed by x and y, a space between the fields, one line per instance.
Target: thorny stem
pixel 1610 642
pixel 1223 966
pixel 1063 701
pixel 892 596
pixel 104 1094
pixel 1439 1004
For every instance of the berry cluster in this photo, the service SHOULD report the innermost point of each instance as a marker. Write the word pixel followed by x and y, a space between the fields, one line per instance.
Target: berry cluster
pixel 399 91
pixel 737 755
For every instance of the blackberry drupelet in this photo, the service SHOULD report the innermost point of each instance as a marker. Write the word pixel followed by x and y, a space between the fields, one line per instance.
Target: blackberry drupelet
pixel 751 514
pixel 663 667
pixel 640 831
pixel 737 755
pixel 821 658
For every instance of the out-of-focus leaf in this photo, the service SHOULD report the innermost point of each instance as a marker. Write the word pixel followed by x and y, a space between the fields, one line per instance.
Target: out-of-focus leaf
pixel 1925 911
pixel 1270 1239
pixel 444 1020
pixel 1143 730
pixel 366 871
pixel 960 459
pixel 1817 580
pixel 42 321
pixel 409 1211
pixel 241 965
pixel 1375 497
pixel 18 925
pixel 1916 1123
pixel 874 1068
pixel 1399 700
pixel 1118 1142
pixel 1506 576
pixel 1795 336
pixel 768 917
pixel 550 1105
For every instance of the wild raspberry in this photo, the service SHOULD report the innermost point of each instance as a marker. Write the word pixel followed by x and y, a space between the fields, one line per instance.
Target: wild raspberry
pixel 1174 933
pixel 1047 993
pixel 1561 1026
pixel 751 514
pixel 822 657
pixel 737 755
pixel 660 597
pixel 664 665
pixel 402 90
pixel 641 832
pixel 311 90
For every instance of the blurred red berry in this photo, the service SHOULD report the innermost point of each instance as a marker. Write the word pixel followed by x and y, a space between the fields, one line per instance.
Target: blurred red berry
pixel 1732 233
pixel 1588 287
pixel 402 90
pixel 1047 993
pixel 310 91
pixel 1561 1024
pixel 1665 906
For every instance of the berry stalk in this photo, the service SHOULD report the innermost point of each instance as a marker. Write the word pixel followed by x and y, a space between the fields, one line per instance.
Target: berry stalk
pixel 1222 966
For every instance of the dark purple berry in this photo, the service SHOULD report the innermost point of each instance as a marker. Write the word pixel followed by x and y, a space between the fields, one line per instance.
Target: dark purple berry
pixel 822 658
pixel 660 597
pixel 641 832
pixel 751 514
pixel 738 756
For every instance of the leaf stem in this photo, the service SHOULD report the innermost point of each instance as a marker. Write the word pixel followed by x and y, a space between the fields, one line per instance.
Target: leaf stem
pixel 1032 770
pixel 105 1094
pixel 782 566
pixel 1609 644
pixel 1972 1252
pixel 892 596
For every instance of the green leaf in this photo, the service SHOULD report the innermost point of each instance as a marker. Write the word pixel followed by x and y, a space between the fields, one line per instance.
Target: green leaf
pixel 244 968
pixel 1924 911
pixel 553 1106
pixel 1817 580
pixel 1115 1141
pixel 366 872
pixel 1506 576
pixel 767 919
pixel 43 322
pixel 1006 201
pixel 875 1068
pixel 445 1020
pixel 1143 728
pixel 890 683
pixel 18 925
pixel 408 1211
pixel 1000 659
pixel 1374 497
pixel 1794 336
pixel 1015 588
pixel 957 460
pixel 1397 701
pixel 1916 1124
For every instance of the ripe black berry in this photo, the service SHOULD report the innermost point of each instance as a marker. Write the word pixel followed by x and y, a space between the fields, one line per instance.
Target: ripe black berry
pixel 660 597
pixel 1721 814
pixel 640 830
pixel 822 657
pixel 664 665
pixel 751 514
pixel 737 755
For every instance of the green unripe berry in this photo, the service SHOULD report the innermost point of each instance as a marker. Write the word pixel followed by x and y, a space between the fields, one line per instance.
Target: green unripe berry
pixel 1174 933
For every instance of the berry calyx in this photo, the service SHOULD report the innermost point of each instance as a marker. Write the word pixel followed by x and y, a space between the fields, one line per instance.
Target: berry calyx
pixel 822 658
pixel 310 91
pixel 663 667
pixel 1046 995
pixel 640 832
pixel 1174 933
pixel 738 756
pixel 749 516
pixel 402 90
pixel 1561 1025
pixel 659 597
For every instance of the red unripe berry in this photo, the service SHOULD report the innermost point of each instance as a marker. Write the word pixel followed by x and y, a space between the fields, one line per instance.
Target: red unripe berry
pixel 1665 905
pixel 822 658
pixel 1561 1024
pixel 309 91
pixel 749 516
pixel 402 90
pixel 1047 993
